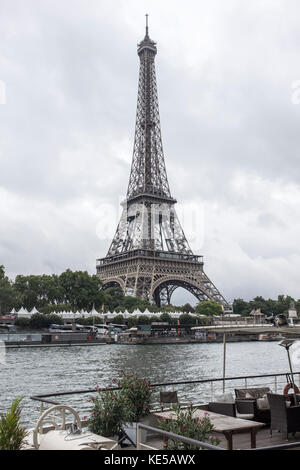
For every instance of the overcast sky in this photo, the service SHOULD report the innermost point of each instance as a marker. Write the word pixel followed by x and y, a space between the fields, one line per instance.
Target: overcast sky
pixel 227 75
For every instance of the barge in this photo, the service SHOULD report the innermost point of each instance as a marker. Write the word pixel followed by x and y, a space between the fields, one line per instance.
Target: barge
pixel 59 336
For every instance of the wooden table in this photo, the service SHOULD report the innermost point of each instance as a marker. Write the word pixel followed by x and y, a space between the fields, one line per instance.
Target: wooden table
pixel 226 425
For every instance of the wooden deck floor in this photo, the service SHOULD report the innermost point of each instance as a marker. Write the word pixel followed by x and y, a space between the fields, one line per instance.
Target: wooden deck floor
pixel 243 442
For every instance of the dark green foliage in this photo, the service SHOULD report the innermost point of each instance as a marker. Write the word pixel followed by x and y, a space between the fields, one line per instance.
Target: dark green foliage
pixel 113 298
pixel 209 308
pixel 109 413
pixel 118 320
pixel 76 290
pixel 137 392
pixel 187 425
pixel 55 308
pixel 155 319
pixel 166 317
pixel 144 320
pixel 187 308
pixel 186 319
pixel 132 321
pixel 267 307
pixel 7 294
pixel 22 322
pixel 41 320
pixel 132 303
pixel 12 433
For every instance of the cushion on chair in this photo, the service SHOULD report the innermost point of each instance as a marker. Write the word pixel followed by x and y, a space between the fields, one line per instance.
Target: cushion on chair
pixel 251 393
pixel 262 403
pixel 244 416
pixel 224 398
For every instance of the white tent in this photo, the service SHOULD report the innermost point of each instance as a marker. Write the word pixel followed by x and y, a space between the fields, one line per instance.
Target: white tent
pixel 137 313
pixel 34 310
pixel 148 314
pixel 23 313
pixel 94 313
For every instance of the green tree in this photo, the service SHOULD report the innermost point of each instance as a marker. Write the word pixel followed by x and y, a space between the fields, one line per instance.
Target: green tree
pixel 7 294
pixel 144 320
pixel 209 308
pixel 81 289
pixel 119 319
pixel 132 321
pixel 113 298
pixel 187 308
pixel 41 320
pixel 240 307
pixel 166 317
pixel 186 319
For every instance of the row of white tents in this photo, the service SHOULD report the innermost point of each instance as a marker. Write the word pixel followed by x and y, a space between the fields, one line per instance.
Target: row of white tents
pixel 24 313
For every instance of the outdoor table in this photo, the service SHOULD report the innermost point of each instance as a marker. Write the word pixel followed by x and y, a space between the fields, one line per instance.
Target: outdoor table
pixel 226 425
pixel 62 440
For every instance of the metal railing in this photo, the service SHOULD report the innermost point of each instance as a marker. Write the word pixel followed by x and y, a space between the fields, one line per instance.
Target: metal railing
pixel 169 435
pixel 207 388
pixel 291 445
pixel 274 381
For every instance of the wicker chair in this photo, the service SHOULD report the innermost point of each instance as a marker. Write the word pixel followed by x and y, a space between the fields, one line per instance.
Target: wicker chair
pixel 227 409
pixel 248 406
pixel 168 398
pixel 283 418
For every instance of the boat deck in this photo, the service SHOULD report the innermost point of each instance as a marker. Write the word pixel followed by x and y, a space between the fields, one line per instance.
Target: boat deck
pixel 241 441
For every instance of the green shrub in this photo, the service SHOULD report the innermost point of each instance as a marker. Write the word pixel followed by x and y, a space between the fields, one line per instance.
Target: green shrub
pixel 23 322
pixel 186 319
pixel 109 413
pixel 137 393
pixel 41 320
pixel 166 317
pixel 12 433
pixel 185 424
pixel 132 321
pixel 118 320
pixel 144 320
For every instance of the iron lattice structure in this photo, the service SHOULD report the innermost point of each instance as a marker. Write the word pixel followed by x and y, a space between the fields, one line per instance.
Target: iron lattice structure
pixel 149 256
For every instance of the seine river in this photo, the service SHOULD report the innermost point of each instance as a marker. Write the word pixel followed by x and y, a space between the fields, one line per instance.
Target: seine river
pixel 46 370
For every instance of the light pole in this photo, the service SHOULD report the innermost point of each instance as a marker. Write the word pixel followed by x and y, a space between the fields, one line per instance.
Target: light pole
pixel 287 343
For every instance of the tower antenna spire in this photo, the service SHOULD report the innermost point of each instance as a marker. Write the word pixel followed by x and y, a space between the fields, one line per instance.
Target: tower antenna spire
pixel 147 28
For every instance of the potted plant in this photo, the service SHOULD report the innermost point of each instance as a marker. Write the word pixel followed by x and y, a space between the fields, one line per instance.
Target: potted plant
pixel 187 425
pixel 109 414
pixel 12 433
pixel 137 394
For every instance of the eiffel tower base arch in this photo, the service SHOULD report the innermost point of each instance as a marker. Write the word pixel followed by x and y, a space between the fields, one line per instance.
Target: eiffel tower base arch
pixel 155 278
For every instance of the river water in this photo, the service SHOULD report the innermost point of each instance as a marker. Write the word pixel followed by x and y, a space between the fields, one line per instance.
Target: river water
pixel 45 370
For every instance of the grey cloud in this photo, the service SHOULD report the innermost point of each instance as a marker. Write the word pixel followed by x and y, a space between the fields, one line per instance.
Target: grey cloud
pixel 230 130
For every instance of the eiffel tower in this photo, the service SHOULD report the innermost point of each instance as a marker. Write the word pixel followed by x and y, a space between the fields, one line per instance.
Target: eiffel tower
pixel 149 256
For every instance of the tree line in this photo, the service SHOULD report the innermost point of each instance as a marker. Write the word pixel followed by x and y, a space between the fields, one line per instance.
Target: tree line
pixel 70 291
pixel 76 290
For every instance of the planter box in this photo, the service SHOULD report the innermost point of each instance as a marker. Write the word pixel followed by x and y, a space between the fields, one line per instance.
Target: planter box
pixel 131 431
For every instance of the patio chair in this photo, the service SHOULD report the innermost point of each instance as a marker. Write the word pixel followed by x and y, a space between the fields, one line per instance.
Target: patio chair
pixel 249 406
pixel 227 409
pixel 223 404
pixel 168 398
pixel 284 417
